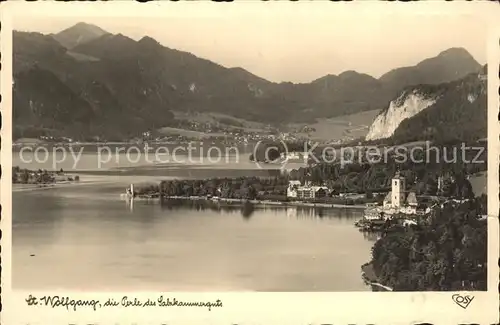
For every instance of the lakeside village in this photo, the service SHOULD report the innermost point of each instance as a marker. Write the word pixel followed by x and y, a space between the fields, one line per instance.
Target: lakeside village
pixel 431 227
pixel 380 208
pixel 41 178
pixel 209 132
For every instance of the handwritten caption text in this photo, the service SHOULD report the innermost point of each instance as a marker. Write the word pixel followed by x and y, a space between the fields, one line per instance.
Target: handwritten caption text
pixel 74 304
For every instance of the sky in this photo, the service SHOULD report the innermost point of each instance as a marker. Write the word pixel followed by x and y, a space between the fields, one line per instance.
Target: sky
pixel 296 46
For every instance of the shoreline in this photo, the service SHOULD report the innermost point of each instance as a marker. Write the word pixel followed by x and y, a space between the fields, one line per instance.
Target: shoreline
pixel 254 202
pixel 368 275
pixel 35 187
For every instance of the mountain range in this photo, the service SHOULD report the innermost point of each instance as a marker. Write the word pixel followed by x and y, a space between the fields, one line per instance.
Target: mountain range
pixel 85 81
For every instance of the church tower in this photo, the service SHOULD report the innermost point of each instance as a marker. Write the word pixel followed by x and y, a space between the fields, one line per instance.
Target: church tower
pixel 398 191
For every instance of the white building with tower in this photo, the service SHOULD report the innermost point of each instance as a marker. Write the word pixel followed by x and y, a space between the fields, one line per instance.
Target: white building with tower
pixel 397 194
pixel 398 199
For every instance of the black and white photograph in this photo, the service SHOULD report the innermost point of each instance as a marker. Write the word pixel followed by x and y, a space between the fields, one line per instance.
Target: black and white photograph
pixel 258 152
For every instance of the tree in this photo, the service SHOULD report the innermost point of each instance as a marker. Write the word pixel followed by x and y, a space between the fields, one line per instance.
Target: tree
pixel 463 189
pixel 252 193
pixel 25 176
pixel 187 190
pixel 431 187
pixel 449 188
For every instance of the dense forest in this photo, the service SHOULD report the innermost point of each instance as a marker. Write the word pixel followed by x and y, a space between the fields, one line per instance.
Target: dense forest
pixel 421 173
pixel 240 188
pixel 448 251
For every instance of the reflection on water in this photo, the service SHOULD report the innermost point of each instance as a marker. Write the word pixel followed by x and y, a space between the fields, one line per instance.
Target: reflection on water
pixel 247 208
pixel 371 235
pixel 87 235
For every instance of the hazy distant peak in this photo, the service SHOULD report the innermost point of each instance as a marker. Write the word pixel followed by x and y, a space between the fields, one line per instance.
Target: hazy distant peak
pixel 112 40
pixel 238 69
pixel 346 76
pixel 90 27
pixel 120 36
pixel 147 39
pixel 108 46
pixel 455 51
pixel 349 74
pixel 455 59
pixel 449 65
pixel 150 43
pixel 241 71
pixel 78 34
pixel 247 75
pixel 325 78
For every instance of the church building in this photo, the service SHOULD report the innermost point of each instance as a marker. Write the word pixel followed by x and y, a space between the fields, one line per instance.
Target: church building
pixel 398 198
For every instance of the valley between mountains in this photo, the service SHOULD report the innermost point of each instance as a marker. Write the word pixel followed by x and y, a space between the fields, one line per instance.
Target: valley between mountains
pixel 86 84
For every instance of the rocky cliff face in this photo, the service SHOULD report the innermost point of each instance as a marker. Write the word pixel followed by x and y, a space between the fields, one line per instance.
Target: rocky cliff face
pixel 408 104
pixel 448 111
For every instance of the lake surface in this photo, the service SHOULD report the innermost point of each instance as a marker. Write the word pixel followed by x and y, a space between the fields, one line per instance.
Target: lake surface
pixel 157 163
pixel 84 237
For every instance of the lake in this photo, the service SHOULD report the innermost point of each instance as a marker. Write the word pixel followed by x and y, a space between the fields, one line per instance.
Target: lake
pixel 84 237
pixel 196 164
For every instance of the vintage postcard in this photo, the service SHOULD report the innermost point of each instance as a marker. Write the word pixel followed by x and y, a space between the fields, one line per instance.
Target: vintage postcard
pixel 250 163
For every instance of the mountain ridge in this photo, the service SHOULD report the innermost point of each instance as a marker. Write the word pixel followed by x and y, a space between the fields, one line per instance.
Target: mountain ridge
pixel 448 65
pixel 148 81
pixel 453 51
